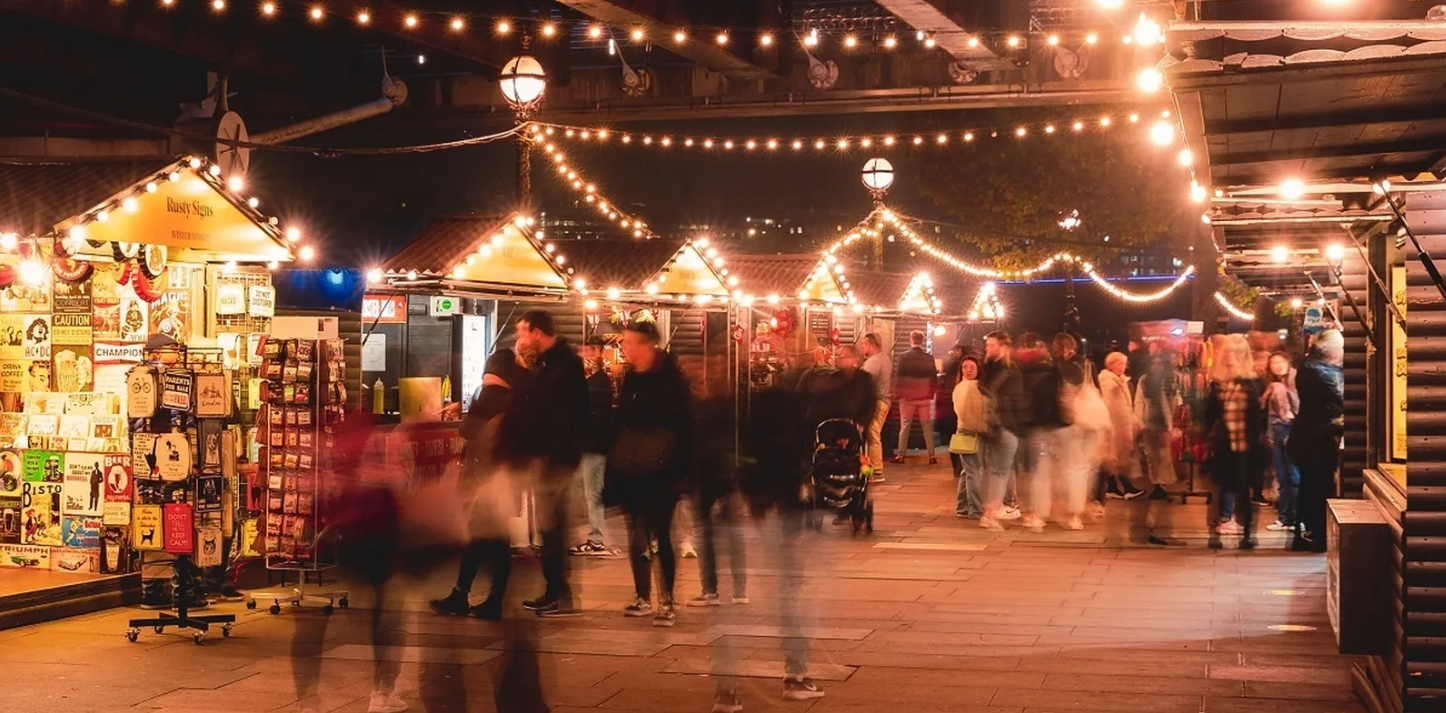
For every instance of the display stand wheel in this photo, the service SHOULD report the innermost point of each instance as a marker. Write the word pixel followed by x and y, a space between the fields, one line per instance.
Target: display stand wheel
pixel 132 635
pixel 328 609
pixel 226 631
pixel 159 629
pixel 275 609
pixel 343 602
pixel 198 637
pixel 251 604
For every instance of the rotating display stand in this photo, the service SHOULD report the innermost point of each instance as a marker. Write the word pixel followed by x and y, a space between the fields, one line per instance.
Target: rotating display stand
pixel 303 395
pixel 183 619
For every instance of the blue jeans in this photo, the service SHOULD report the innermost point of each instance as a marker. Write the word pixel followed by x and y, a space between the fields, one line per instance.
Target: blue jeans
pixel 999 451
pixel 1286 474
pixel 592 469
pixel 971 472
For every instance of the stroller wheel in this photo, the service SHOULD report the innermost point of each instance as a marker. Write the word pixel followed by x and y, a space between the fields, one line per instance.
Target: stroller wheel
pixel 869 518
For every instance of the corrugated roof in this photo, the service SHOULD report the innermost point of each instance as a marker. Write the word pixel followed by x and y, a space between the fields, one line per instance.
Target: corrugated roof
pixel 772 274
pixel 444 241
pixel 624 264
pixel 36 197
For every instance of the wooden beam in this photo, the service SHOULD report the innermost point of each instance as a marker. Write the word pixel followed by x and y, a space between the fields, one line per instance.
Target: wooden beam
pixel 703 50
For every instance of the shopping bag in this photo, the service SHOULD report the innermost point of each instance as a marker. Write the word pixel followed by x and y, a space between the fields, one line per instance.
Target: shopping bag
pixel 964 444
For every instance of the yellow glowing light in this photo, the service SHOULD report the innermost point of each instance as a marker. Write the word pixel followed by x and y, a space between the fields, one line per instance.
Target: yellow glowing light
pixel 680 37
pixel 411 21
pixel 1054 40
pixel 268 8
pixel 1013 41
pixel 318 12
pixel 722 38
pixel 307 253
pixel 458 24
pixel 549 30
pixel 503 27
pixel 765 39
pixel 594 32
pixel 363 17
pixel 1092 38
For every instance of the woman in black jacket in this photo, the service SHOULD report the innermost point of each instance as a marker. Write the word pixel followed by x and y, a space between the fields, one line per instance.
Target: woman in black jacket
pixel 1003 384
pixel 1235 423
pixel 651 462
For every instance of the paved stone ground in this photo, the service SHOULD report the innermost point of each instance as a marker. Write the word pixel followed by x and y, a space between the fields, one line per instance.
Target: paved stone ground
pixel 929 614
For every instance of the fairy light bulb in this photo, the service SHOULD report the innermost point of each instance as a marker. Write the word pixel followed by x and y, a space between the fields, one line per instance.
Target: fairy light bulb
pixel 318 12
pixel 458 24
pixel 680 37
pixel 1162 133
pixel 594 32
pixel 765 39
pixel 722 38
pixel 363 18
pixel 1149 80
pixel 268 8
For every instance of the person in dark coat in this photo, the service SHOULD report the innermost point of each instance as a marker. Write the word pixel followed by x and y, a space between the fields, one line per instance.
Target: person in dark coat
pixel 1315 437
pixel 918 385
pixel 653 462
pixel 946 422
pixel 841 391
pixel 1235 424
pixel 715 500
pixel 502 376
pixel 1002 383
pixel 593 466
pixel 545 432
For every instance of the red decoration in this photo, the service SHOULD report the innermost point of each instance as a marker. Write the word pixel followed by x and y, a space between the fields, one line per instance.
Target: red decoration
pixel 70 269
pixel 786 323
pixel 739 335
pixel 8 274
pixel 833 336
pixel 142 286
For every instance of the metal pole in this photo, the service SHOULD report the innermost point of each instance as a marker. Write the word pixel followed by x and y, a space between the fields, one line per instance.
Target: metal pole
pixel 524 168
pixel 1350 300
pixel 1422 255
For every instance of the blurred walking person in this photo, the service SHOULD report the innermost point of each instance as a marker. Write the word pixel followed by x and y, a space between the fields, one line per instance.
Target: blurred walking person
pixel 881 369
pixel 1281 404
pixel 1235 422
pixel 1315 436
pixel 544 433
pixel 971 411
pixel 593 465
pixel 1155 402
pixel 1003 384
pixel 489 485
pixel 651 462
pixel 946 422
pixel 918 383
pixel 1121 456
pixel 716 501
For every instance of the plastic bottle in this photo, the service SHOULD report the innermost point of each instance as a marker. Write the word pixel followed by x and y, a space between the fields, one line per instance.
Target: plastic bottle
pixel 379 397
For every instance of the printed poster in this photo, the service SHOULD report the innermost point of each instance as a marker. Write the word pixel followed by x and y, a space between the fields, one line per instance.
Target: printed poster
pixel 84 484
pixel 72 297
pixel 105 323
pixel 81 531
pixel 111 379
pixel 71 329
pixel 36 557
pixel 143 455
pixel 230 299
pixel 37 377
pixel 12 337
pixel 134 324
pixel 146 527
pixel 213 396
pixel 262 301
pixel 10 519
pixel 20 297
pixel 14 378
pixel 171 316
pixel 74 369
pixel 37 336
pixel 119 486
pixel 209 491
pixel 177 385
pixel 75 559
pixel 250 545
pixel 208 546
pixel 43 466
pixel 12 471
pixel 40 514
pixel 116 554
pixel 85 404
pixel 171 457
pixel 105 288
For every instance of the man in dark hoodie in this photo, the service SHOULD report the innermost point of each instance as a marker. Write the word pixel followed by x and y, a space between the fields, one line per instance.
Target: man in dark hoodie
pixel 838 391
pixel 1315 436
pixel 594 457
pixel 652 462
pixel 545 433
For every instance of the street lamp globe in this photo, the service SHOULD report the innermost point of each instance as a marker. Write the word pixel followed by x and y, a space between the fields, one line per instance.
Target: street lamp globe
pixel 523 82
pixel 878 175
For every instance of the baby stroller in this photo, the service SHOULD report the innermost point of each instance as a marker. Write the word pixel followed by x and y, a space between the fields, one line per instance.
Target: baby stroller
pixel 839 485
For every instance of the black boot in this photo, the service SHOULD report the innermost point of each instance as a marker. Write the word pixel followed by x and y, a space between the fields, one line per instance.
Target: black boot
pixel 153 594
pixel 454 603
pixel 487 611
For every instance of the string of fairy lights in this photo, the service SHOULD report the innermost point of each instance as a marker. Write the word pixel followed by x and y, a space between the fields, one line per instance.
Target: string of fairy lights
pixel 814 144
pixel 569 176
pixel 812 35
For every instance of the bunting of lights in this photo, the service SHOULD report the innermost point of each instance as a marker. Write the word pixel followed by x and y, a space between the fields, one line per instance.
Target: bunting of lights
pixel 815 144
pixel 570 177
pixel 883 219
pixel 986 304
pixel 1234 311
pixel 919 296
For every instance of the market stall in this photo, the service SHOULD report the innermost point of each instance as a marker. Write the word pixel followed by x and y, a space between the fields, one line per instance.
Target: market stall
pixel 133 302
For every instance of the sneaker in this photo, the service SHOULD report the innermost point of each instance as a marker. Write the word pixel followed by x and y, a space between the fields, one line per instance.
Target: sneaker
pixel 878 477
pixel 1133 493
pixel 560 607
pixel 1279 526
pixel 455 604
pixel 741 599
pixel 1115 495
pixel 1074 523
pixel 966 515
pixel 486 611
pixel 1034 523
pixel 727 702
pixel 897 460
pixel 1097 511
pixel 705 600
pixel 666 616
pixel 801 689
pixel 588 549
pixel 933 461
pixel 386 702
pixel 989 523
pixel 228 593
pixel 1230 527
pixel 688 551
pixel 540 603
pixel 1010 513
pixel 639 608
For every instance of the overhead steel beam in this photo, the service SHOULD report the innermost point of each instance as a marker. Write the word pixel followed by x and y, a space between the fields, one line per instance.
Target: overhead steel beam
pixel 61 149
pixel 703 50
pixel 949 35
pixel 1359 117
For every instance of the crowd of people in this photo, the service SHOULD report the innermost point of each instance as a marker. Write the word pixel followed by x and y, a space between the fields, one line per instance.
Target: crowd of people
pixel 1036 434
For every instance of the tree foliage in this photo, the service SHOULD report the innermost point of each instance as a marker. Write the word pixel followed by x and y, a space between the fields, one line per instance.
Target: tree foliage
pixel 1010 193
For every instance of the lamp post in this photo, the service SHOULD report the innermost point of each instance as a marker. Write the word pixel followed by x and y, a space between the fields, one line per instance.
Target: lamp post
pixel 878 175
pixel 523 82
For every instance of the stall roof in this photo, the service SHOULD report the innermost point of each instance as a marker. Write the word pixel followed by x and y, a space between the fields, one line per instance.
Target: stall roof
pixel 472 252
pixel 36 198
pixel 781 275
pixel 624 264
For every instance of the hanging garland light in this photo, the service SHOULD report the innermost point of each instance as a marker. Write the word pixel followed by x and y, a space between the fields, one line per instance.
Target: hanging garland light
pixel 572 178
pixel 1232 309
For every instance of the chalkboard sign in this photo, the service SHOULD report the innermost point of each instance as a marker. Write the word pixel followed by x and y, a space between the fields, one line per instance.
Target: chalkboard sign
pixel 820 324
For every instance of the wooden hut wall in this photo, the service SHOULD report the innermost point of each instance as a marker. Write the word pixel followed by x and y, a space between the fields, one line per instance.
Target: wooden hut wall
pixel 1424 666
pixel 569 317
pixel 1356 280
pixel 687 341
pixel 428 340
pixel 848 328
